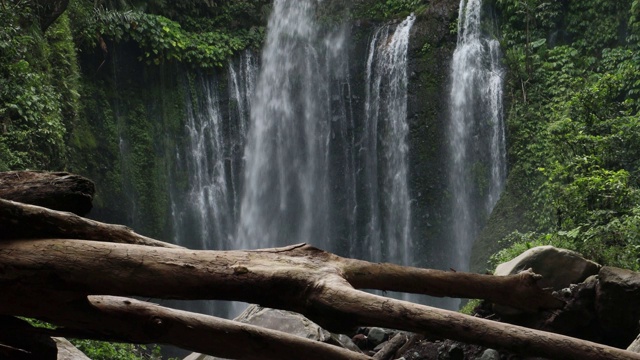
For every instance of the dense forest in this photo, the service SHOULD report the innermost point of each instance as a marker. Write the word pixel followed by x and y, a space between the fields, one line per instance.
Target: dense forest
pixel 572 108
pixel 572 118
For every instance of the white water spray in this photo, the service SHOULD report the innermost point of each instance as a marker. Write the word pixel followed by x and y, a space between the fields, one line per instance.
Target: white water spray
pixel 388 233
pixel 286 197
pixel 476 131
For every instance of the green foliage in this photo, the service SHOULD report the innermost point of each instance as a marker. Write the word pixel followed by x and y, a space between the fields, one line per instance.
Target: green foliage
pixel 573 125
pixel 198 15
pixel 38 89
pixel 469 307
pixel 389 9
pixel 100 350
pixel 162 39
pixel 203 34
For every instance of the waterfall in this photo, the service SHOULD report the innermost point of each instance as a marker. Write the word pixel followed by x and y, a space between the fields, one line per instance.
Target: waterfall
pixel 384 146
pixel 241 76
pixel 210 167
pixel 293 160
pixel 476 131
pixel 286 193
pixel 311 175
pixel 203 216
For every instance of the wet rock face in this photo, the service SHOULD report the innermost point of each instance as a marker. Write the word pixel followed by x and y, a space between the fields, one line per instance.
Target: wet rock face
pixel 430 52
pixel 617 299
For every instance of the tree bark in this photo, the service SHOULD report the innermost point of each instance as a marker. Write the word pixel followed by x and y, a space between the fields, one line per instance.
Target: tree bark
pixel 19 221
pixel 391 347
pixel 122 319
pixel 290 273
pixel 53 190
pixel 298 278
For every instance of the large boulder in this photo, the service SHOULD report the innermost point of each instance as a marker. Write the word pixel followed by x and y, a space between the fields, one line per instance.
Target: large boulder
pixel 559 267
pixel 617 299
pixel 285 321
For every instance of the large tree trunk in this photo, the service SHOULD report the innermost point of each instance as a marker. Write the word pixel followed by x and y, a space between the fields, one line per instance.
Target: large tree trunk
pixel 54 280
pixel 19 221
pixel 299 278
pixel 58 191
pixel 123 319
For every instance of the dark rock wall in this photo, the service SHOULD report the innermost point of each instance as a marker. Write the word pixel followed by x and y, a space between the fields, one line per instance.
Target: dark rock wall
pixel 431 48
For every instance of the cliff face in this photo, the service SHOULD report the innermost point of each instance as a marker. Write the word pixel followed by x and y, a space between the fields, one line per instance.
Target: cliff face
pixel 139 123
pixel 132 128
pixel 432 46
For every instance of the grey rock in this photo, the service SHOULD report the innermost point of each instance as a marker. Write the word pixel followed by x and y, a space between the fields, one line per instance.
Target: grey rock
pixel 377 336
pixel 456 352
pixel 344 341
pixel 617 290
pixel 559 267
pixel 490 354
pixel 380 346
pixel 196 356
pixel 281 320
pixel 285 321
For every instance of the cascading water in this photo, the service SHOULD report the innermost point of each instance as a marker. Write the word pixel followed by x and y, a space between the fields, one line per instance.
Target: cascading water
pixel 206 207
pixel 286 194
pixel 311 175
pixel 315 169
pixel 242 77
pixel 205 214
pixel 476 131
pixel 388 232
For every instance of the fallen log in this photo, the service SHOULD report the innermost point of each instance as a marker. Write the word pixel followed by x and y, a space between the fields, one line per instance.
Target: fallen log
pixel 54 190
pixel 19 221
pixel 298 278
pixel 271 276
pixel 391 347
pixel 128 320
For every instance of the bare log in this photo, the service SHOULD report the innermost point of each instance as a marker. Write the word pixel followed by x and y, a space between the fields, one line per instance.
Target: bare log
pixel 54 190
pixel 298 278
pixel 19 220
pixel 269 276
pixel 123 319
pixel 520 290
pixel 635 345
pixel 375 310
pixel 391 347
